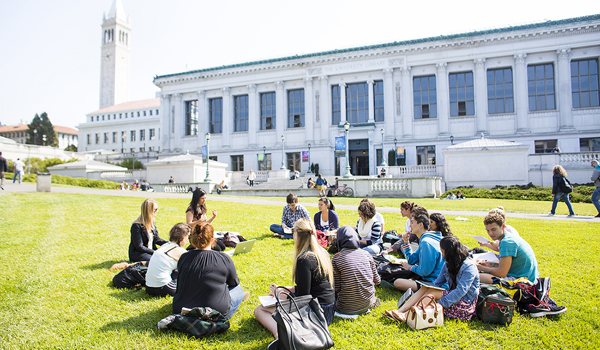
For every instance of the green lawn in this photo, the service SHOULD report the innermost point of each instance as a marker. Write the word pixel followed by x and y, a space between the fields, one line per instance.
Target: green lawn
pixel 55 250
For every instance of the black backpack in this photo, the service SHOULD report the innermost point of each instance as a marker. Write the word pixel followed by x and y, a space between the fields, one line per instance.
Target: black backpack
pixel 565 185
pixel 494 305
pixel 133 276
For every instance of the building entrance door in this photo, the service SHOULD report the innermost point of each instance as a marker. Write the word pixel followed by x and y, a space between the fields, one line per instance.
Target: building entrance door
pixel 359 157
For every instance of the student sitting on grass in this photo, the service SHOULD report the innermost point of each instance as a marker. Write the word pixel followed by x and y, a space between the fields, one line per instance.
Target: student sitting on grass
pixel 326 219
pixel 312 273
pixel 196 214
pixel 355 275
pixel 427 261
pixel 460 274
pixel 291 213
pixel 207 278
pixel 144 235
pixel 494 245
pixel 516 256
pixel 438 223
pixel 161 277
pixel 368 228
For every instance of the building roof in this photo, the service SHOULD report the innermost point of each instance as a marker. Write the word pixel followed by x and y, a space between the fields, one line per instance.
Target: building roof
pixel 398 44
pixel 485 144
pixel 89 165
pixel 25 127
pixel 140 104
pixel 117 11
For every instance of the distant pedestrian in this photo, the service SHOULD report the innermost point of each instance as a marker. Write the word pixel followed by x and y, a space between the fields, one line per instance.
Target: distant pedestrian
pixel 3 169
pixel 596 179
pixel 558 189
pixel 171 180
pixel 18 169
pixel 556 149
pixel 251 178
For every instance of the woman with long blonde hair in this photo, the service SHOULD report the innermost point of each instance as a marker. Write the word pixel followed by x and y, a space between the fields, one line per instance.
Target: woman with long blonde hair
pixel 312 273
pixel 559 181
pixel 144 235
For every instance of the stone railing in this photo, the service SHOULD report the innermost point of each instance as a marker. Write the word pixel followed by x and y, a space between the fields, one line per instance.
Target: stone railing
pixel 412 171
pixel 389 185
pixel 240 176
pixel 116 174
pixel 577 160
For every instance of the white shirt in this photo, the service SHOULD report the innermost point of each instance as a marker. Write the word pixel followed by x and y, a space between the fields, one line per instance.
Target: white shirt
pixel 19 166
pixel 161 266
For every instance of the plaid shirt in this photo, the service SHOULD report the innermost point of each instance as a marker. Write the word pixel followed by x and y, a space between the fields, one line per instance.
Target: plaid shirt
pixel 290 217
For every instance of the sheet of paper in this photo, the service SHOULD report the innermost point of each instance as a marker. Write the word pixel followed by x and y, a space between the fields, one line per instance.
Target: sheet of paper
pixel 337 314
pixel 287 230
pixel 481 239
pixel 489 256
pixel 267 300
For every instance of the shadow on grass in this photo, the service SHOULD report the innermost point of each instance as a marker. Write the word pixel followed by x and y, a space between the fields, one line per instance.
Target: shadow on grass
pixel 130 295
pixel 248 330
pixel 101 266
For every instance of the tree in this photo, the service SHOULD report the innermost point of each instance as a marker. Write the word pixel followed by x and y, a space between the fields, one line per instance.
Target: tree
pixel 128 163
pixel 71 148
pixel 44 127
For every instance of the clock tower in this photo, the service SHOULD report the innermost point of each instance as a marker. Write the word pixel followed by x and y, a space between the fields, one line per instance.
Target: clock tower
pixel 115 56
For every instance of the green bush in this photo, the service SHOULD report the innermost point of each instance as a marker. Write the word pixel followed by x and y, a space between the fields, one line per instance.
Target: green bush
pixel 529 192
pixel 72 181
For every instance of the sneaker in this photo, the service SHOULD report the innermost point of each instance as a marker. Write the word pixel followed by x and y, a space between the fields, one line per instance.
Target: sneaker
pixel 2 188
pixel 542 289
pixel 570 215
pixel 597 216
pixel 550 214
pixel 273 345
pixel 405 297
pixel 546 310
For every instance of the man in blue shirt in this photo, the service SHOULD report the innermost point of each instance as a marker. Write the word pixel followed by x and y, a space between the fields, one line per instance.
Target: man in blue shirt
pixel 291 213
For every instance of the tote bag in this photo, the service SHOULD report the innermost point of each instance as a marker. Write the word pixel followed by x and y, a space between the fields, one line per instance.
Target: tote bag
pixel 427 313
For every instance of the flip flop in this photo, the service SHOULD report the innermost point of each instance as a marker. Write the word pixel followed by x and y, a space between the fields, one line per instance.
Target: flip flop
pixel 396 316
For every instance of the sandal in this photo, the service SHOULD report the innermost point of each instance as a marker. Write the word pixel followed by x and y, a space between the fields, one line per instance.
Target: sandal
pixel 395 315
pixel 277 235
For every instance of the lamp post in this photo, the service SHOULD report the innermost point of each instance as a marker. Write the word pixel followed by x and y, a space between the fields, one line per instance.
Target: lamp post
pixel 348 174
pixel 133 157
pixel 29 155
pixel 207 179
pixel 282 153
pixel 383 162
pixel 122 140
pixel 395 152
pixel 452 140
pixel 264 158
pixel 309 172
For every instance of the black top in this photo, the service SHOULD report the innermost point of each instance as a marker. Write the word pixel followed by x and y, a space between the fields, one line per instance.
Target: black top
pixel 138 246
pixel 205 277
pixel 3 165
pixel 310 279
pixel 556 180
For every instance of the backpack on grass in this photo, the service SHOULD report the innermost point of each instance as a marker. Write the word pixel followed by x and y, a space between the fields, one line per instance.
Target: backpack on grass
pixel 199 322
pixel 494 305
pixel 133 276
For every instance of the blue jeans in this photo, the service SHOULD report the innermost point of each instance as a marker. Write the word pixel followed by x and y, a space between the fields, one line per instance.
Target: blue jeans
pixel 237 295
pixel 19 174
pixel 565 197
pixel 596 199
pixel 372 249
pixel 279 230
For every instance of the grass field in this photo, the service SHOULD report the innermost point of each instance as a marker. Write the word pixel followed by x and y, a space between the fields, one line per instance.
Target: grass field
pixel 56 290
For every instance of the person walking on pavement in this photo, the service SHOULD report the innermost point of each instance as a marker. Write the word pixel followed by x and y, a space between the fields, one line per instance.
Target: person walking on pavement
pixel 596 180
pixel 3 169
pixel 18 170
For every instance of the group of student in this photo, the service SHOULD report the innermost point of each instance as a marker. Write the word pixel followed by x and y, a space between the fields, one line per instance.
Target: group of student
pixel 135 186
pixel 439 263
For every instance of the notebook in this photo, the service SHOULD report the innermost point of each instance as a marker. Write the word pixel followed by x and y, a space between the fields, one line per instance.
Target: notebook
pixel 242 247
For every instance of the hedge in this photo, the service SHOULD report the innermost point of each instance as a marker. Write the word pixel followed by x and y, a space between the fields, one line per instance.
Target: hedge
pixel 581 192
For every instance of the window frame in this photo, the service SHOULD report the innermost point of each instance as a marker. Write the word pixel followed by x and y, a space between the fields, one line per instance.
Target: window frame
pixel 191 118
pixel 215 112
pixel 577 93
pixel 268 111
pixel 336 106
pixel 431 107
pixel 357 111
pixel 378 101
pixel 533 82
pixel 296 108
pixel 461 97
pixel 241 113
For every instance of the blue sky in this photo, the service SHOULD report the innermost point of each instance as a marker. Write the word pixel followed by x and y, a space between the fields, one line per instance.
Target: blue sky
pixel 50 57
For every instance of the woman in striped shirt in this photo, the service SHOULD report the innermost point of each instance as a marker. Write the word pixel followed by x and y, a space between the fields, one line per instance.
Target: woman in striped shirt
pixel 355 275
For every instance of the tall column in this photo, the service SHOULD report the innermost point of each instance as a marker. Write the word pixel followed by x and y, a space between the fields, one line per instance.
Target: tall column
pixel 202 119
pixel 253 116
pixel 406 104
pixel 178 123
pixel 165 111
pixel 442 99
pixel 280 107
pixel 308 110
pixel 371 102
pixel 388 103
pixel 521 95
pixel 227 118
pixel 565 102
pixel 325 110
pixel 343 117
pixel 481 96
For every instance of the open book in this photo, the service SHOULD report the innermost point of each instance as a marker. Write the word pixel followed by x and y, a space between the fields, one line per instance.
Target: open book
pixel 287 230
pixel 488 256
pixel 267 301
pixel 429 285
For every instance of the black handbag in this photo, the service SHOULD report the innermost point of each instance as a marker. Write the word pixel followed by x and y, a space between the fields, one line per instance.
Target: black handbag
pixel 301 323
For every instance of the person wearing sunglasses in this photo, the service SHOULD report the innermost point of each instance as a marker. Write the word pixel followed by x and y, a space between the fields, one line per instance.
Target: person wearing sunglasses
pixel 144 234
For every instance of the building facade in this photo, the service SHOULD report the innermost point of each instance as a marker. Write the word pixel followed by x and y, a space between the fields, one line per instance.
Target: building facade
pixel 533 84
pixel 66 136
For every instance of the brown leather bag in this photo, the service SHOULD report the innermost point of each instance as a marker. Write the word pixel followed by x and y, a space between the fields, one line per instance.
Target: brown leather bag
pixel 426 313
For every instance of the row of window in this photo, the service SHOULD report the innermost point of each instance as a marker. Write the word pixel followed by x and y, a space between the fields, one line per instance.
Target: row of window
pixel 425 154
pixel 109 36
pixel 123 138
pixel 134 150
pixel 127 114
pixel 11 135
pixel 500 97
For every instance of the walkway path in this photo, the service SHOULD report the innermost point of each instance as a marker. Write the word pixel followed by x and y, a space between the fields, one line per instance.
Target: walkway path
pixel 28 187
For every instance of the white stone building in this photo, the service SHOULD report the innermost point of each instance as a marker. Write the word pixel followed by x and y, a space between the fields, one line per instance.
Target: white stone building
pixel 535 84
